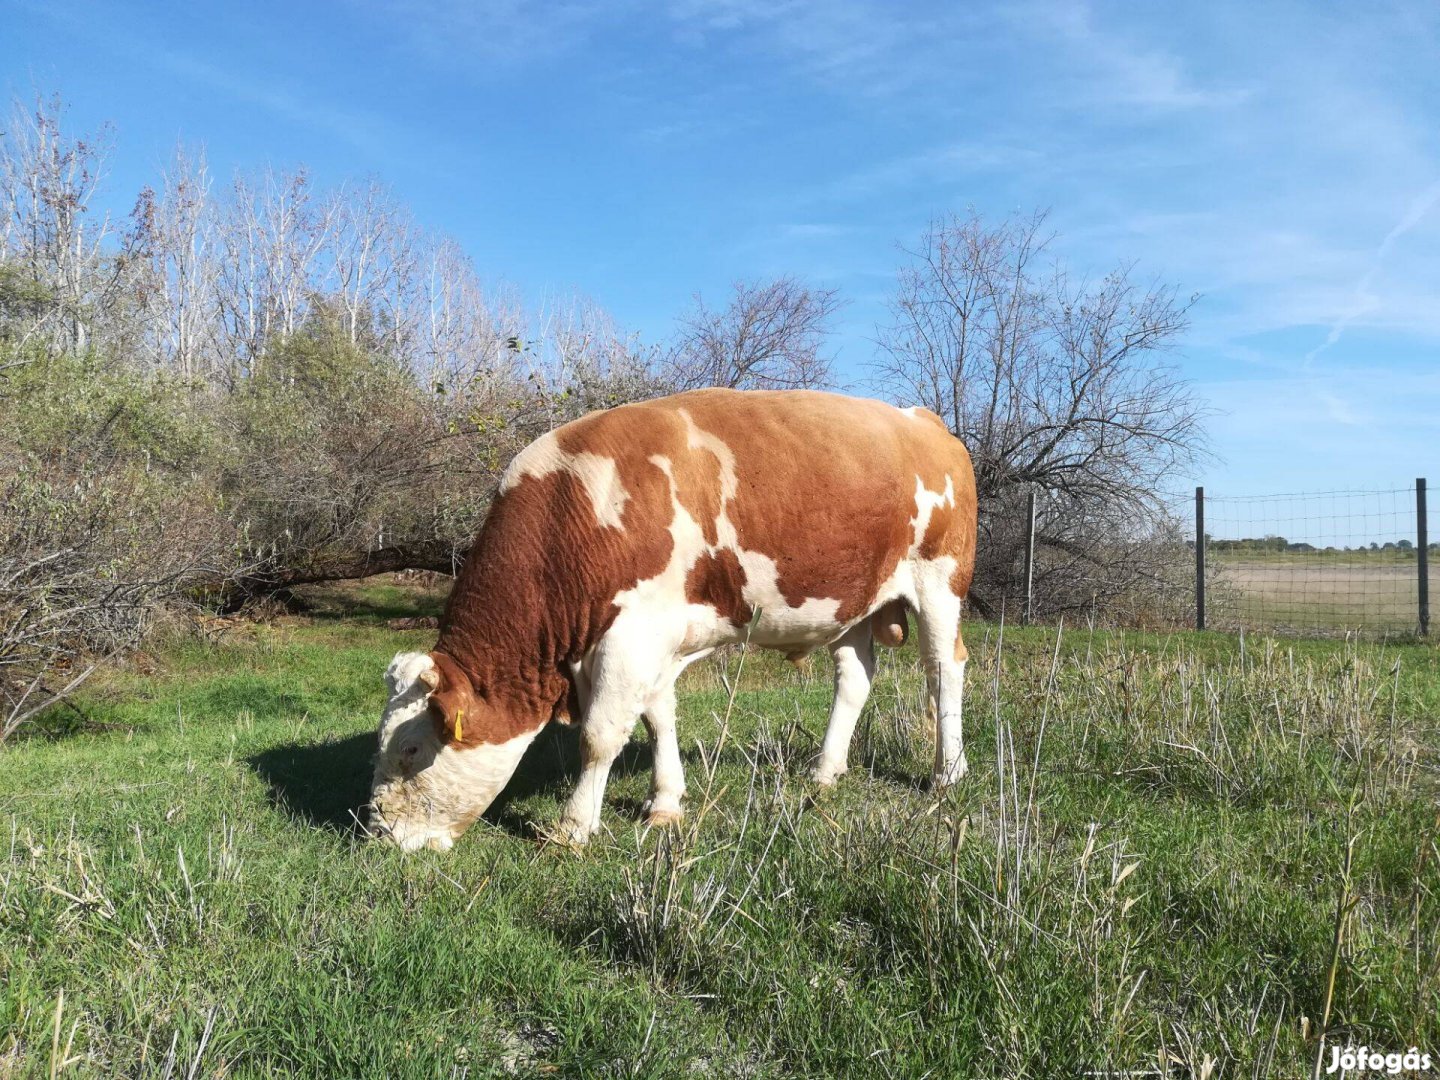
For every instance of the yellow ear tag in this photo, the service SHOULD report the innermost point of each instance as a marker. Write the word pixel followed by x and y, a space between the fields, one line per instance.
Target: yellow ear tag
pixel 459 715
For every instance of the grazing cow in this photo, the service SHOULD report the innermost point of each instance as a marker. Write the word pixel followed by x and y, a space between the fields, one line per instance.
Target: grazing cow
pixel 626 545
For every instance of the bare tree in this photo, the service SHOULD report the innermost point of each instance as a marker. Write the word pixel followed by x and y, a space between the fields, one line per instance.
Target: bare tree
pixel 178 288
pixel 768 337
pixel 1054 384
pixel 48 181
pixel 273 233
pixel 370 250
pixel 357 386
pixel 466 336
pixel 349 394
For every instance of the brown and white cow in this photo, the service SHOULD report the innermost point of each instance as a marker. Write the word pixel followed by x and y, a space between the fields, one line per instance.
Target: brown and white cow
pixel 626 545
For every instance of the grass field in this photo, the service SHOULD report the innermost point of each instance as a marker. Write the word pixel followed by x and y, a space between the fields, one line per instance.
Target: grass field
pixel 1334 592
pixel 1145 870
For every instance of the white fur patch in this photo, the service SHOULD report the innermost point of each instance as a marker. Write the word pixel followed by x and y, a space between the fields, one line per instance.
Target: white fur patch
pixel 654 600
pixel 405 669
pixel 926 503
pixel 698 439
pixel 596 473
pixel 813 621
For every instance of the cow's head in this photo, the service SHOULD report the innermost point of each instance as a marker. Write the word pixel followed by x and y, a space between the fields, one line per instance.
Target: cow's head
pixel 435 771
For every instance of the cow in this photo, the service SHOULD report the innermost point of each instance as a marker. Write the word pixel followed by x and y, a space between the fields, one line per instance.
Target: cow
pixel 626 545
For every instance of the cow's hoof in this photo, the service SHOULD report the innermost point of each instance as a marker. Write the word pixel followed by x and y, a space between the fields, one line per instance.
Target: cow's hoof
pixel 948 776
pixel 658 812
pixel 827 776
pixel 566 833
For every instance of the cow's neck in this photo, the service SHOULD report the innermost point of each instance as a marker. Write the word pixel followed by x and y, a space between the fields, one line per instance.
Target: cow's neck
pixel 510 623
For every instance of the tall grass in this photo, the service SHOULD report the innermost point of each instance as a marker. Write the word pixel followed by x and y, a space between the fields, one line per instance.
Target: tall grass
pixel 1171 854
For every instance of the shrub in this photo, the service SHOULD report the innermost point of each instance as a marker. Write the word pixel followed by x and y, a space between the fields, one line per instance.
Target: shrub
pixel 88 556
pixel 106 515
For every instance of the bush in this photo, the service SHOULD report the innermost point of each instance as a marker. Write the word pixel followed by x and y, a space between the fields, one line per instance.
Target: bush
pixel 88 556
pixel 338 464
pixel 107 514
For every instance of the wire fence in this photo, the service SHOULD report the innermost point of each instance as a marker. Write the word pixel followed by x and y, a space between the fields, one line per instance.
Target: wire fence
pixel 1305 563
pixel 1315 562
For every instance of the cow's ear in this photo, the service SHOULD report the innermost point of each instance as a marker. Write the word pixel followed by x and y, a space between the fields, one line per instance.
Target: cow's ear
pixel 452 701
pixel 450 711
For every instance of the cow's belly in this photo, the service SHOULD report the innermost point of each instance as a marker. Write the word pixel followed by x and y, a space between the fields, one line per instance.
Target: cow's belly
pixel 755 610
pixel 790 629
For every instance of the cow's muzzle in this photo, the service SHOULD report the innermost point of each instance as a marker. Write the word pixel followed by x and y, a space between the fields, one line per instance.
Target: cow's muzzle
pixel 403 837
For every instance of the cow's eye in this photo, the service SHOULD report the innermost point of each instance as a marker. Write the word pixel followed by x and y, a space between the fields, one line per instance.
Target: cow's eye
pixel 410 751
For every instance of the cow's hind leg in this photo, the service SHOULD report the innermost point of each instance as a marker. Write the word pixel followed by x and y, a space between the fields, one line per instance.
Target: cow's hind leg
pixel 854 655
pixel 937 613
pixel 667 785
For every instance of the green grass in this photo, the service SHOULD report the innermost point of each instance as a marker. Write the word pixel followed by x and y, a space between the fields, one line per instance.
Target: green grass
pixel 1161 891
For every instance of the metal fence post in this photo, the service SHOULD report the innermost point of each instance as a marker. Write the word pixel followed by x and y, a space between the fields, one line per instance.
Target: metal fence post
pixel 1422 555
pixel 1029 559
pixel 1199 558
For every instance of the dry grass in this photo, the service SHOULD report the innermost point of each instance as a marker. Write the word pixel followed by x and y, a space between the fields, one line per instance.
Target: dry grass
pixel 1315 592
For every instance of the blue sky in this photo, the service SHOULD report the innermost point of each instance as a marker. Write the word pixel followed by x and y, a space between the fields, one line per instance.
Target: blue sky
pixel 1281 159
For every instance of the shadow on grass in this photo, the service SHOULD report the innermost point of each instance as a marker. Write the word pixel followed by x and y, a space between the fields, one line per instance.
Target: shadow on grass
pixel 550 768
pixel 116 710
pixel 319 784
pixel 370 601
pixel 264 698
pixel 324 785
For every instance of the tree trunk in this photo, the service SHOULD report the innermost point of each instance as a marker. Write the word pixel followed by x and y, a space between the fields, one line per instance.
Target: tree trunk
pixel 440 558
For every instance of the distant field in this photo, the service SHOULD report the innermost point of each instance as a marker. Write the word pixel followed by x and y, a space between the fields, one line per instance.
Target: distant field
pixel 1153 887
pixel 1338 591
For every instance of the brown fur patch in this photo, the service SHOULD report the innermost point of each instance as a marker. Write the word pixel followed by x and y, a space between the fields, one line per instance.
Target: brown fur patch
pixel 719 580
pixel 536 589
pixel 697 484
pixel 454 701
pixel 827 488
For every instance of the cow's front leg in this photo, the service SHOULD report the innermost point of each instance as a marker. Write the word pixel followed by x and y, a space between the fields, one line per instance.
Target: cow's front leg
pixel 667 785
pixel 602 736
pixel 629 664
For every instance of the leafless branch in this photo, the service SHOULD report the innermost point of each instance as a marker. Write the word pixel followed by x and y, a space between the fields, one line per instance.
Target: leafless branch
pixel 769 337
pixel 1055 385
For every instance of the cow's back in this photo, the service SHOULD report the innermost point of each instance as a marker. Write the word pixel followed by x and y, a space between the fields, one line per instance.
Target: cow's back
pixel 826 486
pixel 799 505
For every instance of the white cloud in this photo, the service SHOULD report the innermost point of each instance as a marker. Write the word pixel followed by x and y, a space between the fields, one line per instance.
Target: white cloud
pixel 364 131
pixel 274 93
pixel 496 37
pixel 1365 300
pixel 850 40
pixel 1352 428
pixel 814 230
pixel 930 166
pixel 1115 68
